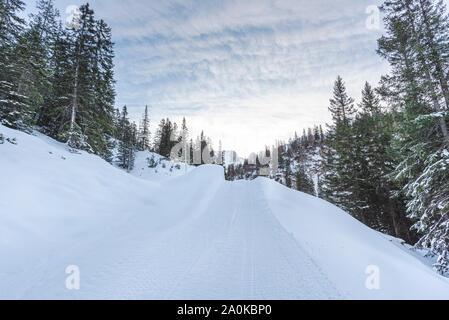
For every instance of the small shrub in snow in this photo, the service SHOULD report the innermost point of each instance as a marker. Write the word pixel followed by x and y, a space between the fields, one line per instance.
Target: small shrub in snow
pixel 2 139
pixel 12 141
pixel 151 162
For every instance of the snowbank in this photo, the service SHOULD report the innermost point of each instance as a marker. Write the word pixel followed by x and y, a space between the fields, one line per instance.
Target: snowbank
pixel 152 166
pixel 344 248
pixel 192 236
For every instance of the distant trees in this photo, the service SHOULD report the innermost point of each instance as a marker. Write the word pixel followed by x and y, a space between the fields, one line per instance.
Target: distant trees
pixel 126 132
pixel 298 162
pixel 163 142
pixel 144 142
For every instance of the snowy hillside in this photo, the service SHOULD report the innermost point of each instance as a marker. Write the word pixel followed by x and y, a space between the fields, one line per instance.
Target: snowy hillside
pixel 152 166
pixel 194 236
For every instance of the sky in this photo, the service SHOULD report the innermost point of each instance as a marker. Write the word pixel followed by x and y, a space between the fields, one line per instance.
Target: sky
pixel 247 72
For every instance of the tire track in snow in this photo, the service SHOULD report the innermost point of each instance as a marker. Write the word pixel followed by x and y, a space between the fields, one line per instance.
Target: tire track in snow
pixel 328 286
pixel 201 219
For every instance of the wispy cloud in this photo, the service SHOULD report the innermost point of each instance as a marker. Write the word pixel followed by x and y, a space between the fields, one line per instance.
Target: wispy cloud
pixel 247 72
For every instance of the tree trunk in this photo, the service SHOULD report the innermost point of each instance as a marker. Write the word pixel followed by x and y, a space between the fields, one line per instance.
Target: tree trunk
pixel 399 224
pixel 74 102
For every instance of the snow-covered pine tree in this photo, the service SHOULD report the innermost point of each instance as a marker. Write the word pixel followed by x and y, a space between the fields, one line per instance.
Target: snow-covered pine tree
pixel 144 131
pixel 340 182
pixel 303 181
pixel 374 134
pixel 10 22
pixel 122 127
pixel 162 138
pixel 14 107
pixel 82 96
pixel 90 124
pixel 433 25
pixel 55 115
pixel 316 135
pixel 416 47
pixel 288 172
pixel 166 137
pixel 184 138
pixel 36 72
pixel 126 132
pixel 100 125
pixel 157 141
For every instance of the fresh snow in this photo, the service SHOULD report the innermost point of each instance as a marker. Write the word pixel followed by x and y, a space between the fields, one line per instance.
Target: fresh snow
pixel 152 166
pixel 193 236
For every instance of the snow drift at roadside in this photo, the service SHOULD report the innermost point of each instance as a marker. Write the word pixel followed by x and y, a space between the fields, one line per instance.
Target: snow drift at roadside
pixel 192 236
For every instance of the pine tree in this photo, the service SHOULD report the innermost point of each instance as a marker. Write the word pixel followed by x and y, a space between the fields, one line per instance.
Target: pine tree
pixel 416 47
pixel 184 139
pixel 14 107
pixel 374 133
pixel 340 183
pixel 433 24
pixel 100 125
pixel 144 132
pixel 91 109
pixel 288 173
pixel 55 115
pixel 165 138
pixel 341 105
pixel 40 38
pixel 316 135
pixel 127 141
pixel 303 181
pixel 82 95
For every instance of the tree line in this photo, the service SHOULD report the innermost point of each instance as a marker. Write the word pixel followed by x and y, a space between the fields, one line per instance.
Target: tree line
pixel 59 79
pixel 131 138
pixel 388 162
pixel 297 162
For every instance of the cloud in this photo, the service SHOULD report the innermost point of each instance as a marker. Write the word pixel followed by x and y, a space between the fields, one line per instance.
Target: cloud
pixel 247 72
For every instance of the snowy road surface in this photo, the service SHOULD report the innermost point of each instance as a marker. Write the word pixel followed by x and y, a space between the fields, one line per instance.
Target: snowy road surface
pixel 194 236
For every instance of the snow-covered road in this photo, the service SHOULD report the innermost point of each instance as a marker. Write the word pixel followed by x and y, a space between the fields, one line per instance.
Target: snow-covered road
pixel 230 247
pixel 194 236
pixel 242 253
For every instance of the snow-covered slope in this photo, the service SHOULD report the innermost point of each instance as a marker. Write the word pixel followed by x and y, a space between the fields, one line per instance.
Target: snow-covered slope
pixel 190 237
pixel 152 166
